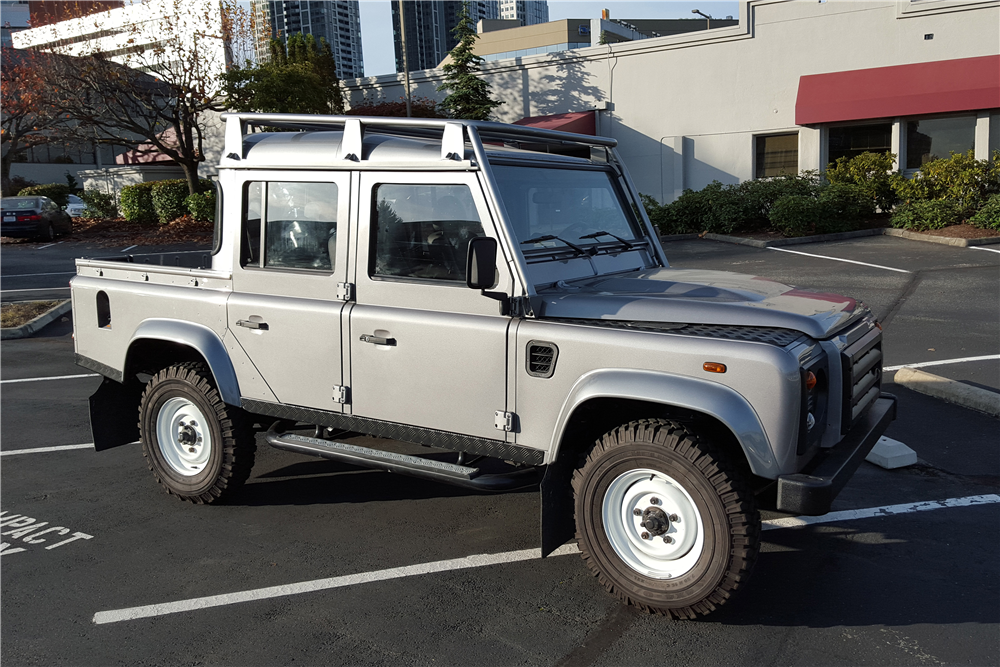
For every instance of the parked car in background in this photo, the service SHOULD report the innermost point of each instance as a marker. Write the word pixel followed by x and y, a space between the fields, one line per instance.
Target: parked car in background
pixel 33 217
pixel 75 206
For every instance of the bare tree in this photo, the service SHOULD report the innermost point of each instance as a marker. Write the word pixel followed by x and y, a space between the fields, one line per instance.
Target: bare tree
pixel 147 81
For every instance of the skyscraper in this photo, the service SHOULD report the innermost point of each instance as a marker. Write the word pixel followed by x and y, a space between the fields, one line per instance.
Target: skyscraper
pixel 429 25
pixel 338 22
pixel 528 12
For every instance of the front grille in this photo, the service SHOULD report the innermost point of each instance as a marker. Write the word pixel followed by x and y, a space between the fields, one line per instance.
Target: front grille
pixel 862 366
pixel 542 359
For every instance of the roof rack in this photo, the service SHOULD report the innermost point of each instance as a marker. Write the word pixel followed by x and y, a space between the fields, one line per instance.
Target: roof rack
pixel 451 132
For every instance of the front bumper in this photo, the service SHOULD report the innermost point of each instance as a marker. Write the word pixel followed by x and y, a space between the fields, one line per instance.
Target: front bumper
pixel 811 492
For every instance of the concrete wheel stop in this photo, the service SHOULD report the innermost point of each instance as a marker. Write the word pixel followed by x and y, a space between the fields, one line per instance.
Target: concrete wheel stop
pixel 889 454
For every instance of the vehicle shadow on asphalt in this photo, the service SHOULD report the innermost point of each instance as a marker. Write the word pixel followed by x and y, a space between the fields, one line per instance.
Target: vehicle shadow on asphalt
pixel 929 567
pixel 332 482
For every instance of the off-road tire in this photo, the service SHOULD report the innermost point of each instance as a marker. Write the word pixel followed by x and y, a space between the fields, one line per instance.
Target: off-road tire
pixel 716 488
pixel 228 433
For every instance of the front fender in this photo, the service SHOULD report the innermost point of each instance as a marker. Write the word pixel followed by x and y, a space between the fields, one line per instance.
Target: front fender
pixel 200 338
pixel 709 398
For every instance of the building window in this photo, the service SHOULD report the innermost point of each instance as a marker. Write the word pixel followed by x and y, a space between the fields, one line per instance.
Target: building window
pixel 853 140
pixel 777 154
pixel 935 138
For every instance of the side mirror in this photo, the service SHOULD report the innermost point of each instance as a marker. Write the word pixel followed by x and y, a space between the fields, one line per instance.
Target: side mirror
pixel 481 264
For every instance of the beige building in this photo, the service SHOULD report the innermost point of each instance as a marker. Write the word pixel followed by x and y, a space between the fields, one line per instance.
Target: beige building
pixel 790 86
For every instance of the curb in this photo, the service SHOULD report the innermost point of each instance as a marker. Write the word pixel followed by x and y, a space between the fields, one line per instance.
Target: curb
pixel 36 324
pixel 818 238
pixel 943 240
pixel 757 243
pixel 958 393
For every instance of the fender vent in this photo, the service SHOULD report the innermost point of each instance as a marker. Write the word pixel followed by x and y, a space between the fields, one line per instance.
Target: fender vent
pixel 542 359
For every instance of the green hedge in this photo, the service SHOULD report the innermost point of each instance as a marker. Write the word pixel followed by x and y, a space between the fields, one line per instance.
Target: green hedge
pixel 136 202
pixel 201 205
pixel 57 192
pixel 871 173
pixel 925 215
pixel 961 178
pixel 168 199
pixel 988 216
pixel 99 205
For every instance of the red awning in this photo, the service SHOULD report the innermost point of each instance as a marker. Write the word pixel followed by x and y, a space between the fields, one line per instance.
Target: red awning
pixel 945 86
pixel 581 122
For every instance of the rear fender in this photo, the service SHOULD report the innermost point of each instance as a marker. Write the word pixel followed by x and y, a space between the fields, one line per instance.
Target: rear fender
pixel 114 406
pixel 201 339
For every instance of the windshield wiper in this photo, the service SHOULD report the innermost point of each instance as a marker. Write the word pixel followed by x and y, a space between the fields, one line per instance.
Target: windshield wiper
pixel 549 237
pixel 628 245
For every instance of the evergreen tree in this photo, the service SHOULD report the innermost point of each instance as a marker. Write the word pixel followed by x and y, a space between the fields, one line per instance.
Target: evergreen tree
pixel 469 96
pixel 301 77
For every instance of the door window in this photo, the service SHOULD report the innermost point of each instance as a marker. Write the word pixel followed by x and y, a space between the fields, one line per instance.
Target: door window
pixel 423 231
pixel 299 225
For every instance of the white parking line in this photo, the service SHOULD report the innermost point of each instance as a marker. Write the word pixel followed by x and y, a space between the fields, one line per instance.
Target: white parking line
pixel 129 248
pixel 39 450
pixel 887 510
pixel 31 275
pixel 838 259
pixel 482 560
pixel 942 362
pixel 979 247
pixel 54 377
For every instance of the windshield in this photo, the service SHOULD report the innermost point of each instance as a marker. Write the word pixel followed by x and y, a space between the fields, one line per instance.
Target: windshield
pixel 567 203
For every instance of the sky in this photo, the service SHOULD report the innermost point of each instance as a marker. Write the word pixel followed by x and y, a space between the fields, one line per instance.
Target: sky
pixel 376 21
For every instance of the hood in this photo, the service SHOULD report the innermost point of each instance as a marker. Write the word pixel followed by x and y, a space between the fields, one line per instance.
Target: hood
pixel 690 296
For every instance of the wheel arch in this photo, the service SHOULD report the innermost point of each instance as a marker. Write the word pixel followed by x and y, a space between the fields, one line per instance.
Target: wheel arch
pixel 718 404
pixel 156 340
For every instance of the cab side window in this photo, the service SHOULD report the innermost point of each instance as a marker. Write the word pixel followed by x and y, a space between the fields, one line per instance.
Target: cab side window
pixel 289 225
pixel 422 231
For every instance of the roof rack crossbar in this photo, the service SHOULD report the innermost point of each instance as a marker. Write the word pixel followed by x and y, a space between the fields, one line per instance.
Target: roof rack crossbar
pixel 452 131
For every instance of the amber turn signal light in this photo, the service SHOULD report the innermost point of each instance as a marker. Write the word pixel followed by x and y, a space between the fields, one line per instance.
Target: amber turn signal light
pixel 713 367
pixel 810 380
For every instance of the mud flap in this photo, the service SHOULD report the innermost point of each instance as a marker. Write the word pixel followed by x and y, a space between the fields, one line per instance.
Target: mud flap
pixel 558 522
pixel 114 414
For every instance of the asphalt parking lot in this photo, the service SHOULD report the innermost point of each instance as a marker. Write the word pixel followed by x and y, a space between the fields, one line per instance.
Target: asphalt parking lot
pixel 316 562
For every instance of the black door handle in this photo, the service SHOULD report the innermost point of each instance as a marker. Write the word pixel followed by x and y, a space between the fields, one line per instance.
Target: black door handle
pixel 377 340
pixel 262 326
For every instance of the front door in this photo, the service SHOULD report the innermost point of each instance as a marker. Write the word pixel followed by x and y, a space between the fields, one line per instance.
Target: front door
pixel 425 349
pixel 285 312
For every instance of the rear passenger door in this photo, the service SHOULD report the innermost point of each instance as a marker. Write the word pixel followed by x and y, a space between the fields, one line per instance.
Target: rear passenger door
pixel 425 350
pixel 286 304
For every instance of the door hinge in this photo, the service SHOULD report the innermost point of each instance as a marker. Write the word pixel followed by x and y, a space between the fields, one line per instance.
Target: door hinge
pixel 504 421
pixel 345 291
pixel 340 394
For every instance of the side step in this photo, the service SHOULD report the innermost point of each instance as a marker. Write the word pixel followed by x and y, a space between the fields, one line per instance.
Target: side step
pixel 415 466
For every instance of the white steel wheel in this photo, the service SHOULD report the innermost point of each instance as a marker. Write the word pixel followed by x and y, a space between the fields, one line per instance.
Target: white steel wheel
pixel 664 519
pixel 652 523
pixel 181 433
pixel 199 448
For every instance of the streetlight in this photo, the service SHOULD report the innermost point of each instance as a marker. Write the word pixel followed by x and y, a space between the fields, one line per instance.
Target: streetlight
pixel 707 17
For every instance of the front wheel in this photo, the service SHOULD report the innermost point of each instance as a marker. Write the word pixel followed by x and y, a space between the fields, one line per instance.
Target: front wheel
pixel 663 521
pixel 199 448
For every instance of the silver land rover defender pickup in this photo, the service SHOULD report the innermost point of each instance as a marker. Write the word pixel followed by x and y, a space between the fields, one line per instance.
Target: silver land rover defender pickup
pixel 499 292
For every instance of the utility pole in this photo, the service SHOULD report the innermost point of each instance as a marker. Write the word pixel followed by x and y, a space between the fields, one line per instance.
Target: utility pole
pixel 406 60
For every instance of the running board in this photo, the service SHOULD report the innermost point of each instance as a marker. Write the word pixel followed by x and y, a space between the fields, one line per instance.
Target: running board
pixel 415 466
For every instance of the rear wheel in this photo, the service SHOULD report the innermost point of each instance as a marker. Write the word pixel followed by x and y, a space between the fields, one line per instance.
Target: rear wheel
pixel 663 521
pixel 199 448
